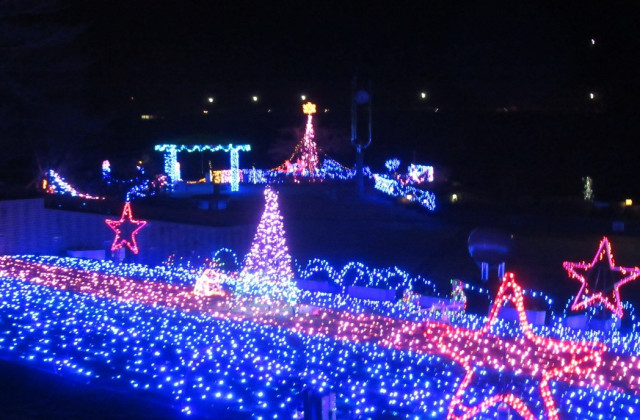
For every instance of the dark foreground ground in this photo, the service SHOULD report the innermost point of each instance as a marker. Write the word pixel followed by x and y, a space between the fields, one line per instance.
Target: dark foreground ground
pixel 381 233
pixel 28 393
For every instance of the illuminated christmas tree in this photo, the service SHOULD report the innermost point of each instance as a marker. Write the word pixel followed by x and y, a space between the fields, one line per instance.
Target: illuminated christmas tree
pixel 267 267
pixel 306 154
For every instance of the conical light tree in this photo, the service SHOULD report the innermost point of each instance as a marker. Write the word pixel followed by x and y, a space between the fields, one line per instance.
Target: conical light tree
pixel 305 154
pixel 267 267
pixel 308 150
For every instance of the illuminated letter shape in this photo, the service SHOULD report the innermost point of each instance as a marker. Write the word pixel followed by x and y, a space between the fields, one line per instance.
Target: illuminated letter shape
pixel 534 357
pixel 601 280
pixel 126 229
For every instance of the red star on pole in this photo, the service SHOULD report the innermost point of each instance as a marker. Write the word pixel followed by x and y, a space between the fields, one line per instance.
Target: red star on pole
pixel 597 277
pixel 126 229
pixel 531 357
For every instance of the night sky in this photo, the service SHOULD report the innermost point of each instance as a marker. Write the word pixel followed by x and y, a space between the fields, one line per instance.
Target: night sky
pixel 508 84
pixel 469 54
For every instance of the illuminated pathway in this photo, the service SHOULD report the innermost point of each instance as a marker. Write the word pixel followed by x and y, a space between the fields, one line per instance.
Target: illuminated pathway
pixel 527 360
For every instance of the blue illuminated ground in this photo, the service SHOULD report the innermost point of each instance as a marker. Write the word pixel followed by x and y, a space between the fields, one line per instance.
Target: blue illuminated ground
pixel 160 363
pixel 198 363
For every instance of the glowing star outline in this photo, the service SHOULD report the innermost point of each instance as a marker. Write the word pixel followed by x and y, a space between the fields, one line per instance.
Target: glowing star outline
pixel 585 359
pixel 586 297
pixel 126 217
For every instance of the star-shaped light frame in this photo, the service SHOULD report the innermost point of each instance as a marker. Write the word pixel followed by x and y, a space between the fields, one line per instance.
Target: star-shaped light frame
pixel 556 359
pixel 587 297
pixel 116 226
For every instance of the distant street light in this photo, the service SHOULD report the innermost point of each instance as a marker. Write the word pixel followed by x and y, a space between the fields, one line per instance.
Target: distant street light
pixel 423 95
pixel 254 98
pixel 303 97
pixel 592 95
pixel 210 99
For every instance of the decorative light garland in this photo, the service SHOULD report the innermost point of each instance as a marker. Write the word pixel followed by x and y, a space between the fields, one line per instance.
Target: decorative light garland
pixel 106 172
pixel 221 259
pixel 418 174
pixel 55 184
pixel 172 169
pixel 331 169
pixel 394 188
pixel 256 176
pixel 392 165
pixel 226 176
pixel 587 189
pixel 147 188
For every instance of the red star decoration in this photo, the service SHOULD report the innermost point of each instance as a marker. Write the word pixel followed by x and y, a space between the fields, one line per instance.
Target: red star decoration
pixel 126 229
pixel 531 356
pixel 593 274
